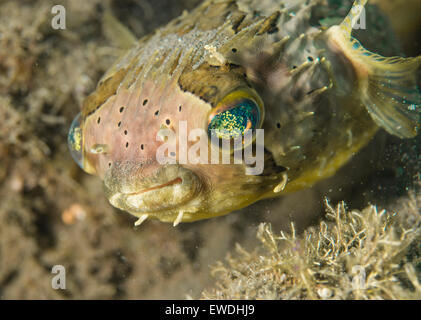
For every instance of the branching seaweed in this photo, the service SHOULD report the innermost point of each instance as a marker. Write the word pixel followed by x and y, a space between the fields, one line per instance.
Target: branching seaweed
pixel 368 254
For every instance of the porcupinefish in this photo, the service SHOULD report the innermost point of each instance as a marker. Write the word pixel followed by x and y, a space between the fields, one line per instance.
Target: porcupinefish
pixel 240 65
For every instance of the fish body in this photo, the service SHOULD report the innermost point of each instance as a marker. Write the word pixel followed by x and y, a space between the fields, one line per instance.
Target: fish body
pixel 316 92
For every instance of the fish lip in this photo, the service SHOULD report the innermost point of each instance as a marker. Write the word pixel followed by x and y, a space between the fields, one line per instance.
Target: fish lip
pixel 175 181
pixel 159 198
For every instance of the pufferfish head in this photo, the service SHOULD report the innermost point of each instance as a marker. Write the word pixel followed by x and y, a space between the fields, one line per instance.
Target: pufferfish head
pixel 170 95
pixel 122 140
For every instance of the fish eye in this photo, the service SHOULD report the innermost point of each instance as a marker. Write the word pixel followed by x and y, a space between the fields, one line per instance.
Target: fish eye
pixel 238 112
pixel 75 140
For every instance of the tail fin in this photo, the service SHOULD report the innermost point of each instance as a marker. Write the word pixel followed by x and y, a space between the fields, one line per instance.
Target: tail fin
pixel 388 86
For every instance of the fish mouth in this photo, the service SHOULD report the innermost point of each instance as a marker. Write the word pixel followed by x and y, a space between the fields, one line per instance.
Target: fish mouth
pixel 169 189
pixel 175 181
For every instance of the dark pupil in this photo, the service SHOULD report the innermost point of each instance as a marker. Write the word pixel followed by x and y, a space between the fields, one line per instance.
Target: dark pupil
pixel 232 123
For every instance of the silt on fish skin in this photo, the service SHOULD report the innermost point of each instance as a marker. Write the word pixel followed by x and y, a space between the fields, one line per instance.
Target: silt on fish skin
pixel 321 97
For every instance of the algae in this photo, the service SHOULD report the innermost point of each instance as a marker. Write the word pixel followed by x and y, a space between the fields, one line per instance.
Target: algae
pixel 352 254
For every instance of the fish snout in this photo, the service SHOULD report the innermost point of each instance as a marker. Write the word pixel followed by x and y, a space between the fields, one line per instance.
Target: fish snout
pixel 142 189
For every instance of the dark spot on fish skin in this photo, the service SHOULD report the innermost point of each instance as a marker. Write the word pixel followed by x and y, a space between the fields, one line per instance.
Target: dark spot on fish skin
pixel 234 50
pixel 294 67
pixel 145 102
pixel 125 132
pixel 109 164
pixel 142 147
pixel 278 125
pixel 127 144
pixel 179 108
pixel 310 59
pixel 157 112
pixel 119 124
pixel 99 120
pixel 168 121
pixel 121 109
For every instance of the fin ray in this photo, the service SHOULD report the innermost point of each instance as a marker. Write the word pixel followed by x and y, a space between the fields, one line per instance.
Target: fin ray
pixel 387 85
pixel 390 91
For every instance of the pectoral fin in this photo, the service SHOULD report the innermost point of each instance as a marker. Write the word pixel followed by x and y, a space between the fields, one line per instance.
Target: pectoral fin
pixel 391 95
pixel 388 86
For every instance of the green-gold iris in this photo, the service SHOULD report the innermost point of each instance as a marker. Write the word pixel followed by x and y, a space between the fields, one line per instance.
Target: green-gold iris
pixel 75 140
pixel 234 122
